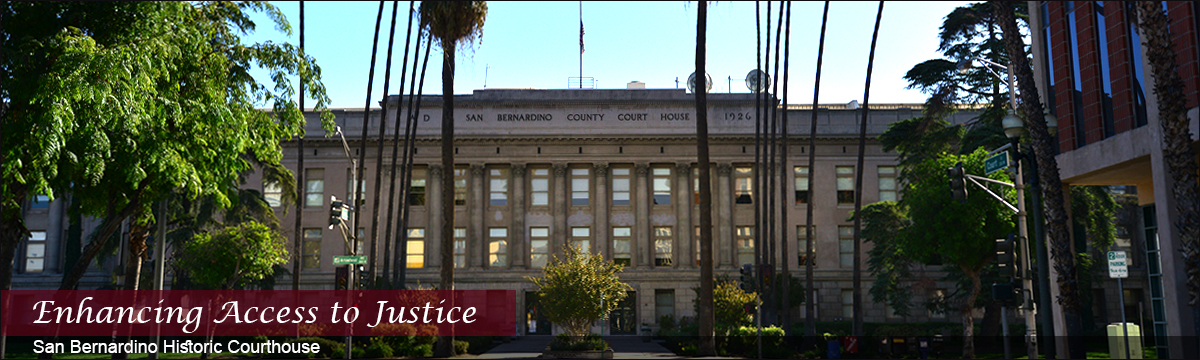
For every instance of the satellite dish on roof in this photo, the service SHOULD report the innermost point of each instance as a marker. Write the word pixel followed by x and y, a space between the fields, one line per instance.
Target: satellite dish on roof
pixel 757 81
pixel 691 83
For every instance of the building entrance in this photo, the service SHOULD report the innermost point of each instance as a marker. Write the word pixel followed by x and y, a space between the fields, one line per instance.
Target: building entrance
pixel 623 319
pixel 535 321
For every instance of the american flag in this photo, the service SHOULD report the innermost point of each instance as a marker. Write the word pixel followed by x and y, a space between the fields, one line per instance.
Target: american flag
pixel 581 36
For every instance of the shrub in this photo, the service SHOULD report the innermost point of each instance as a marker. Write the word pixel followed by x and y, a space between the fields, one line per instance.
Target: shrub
pixel 423 350
pixel 460 347
pixel 569 343
pixel 379 350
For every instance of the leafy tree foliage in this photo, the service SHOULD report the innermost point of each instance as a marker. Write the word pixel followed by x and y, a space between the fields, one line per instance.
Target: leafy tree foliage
pixel 578 290
pixel 233 256
pixel 729 305
pixel 888 261
pixel 132 101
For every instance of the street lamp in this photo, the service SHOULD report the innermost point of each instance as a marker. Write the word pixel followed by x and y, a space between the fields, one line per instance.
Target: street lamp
pixel 1013 127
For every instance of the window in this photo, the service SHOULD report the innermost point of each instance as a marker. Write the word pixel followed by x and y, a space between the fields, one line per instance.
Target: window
pixel 663 245
pixel 539 185
pixel 415 254
pixel 801 184
pixel 845 184
pixel 847 304
pixel 1077 91
pixel 498 247
pixel 802 243
pixel 743 185
pixel 745 244
pixel 887 183
pixel 581 238
pixel 1105 77
pixel 312 249
pixel 498 187
pixel 314 187
pixel 620 185
pixel 1135 48
pixel 35 252
pixel 40 201
pixel 846 245
pixel 1051 102
pixel 579 186
pixel 539 247
pixel 662 185
pixel 273 194
pixel 621 253
pixel 416 194
pixel 460 186
pixel 664 303
pixel 460 247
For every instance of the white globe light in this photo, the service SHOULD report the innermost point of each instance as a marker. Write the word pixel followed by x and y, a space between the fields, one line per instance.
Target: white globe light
pixel 1013 125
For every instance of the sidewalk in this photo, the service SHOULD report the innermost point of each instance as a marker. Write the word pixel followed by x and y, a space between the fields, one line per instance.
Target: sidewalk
pixel 624 347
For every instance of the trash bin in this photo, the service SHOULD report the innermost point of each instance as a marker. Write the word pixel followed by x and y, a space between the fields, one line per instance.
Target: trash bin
pixel 1116 341
pixel 646 334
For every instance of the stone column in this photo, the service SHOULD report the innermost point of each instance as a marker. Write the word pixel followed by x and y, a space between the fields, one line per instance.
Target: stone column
pixel 558 209
pixel 601 244
pixel 433 232
pixel 517 252
pixel 723 219
pixel 685 238
pixel 475 254
pixel 642 247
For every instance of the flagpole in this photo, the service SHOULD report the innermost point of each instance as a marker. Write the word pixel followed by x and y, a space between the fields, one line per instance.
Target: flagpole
pixel 580 44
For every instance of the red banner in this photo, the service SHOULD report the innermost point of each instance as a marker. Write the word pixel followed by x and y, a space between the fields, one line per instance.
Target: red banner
pixel 253 313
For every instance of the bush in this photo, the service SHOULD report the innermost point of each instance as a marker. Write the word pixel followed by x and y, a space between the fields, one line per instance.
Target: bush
pixel 340 353
pixel 423 350
pixel 478 344
pixel 460 347
pixel 568 343
pixel 379 350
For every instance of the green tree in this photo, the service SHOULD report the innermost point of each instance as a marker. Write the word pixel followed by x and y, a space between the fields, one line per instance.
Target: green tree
pixel 959 234
pixel 132 101
pixel 578 290
pixel 451 23
pixel 729 306
pixel 888 261
pixel 234 256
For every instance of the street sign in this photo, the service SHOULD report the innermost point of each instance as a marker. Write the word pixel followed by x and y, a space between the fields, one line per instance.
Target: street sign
pixel 350 260
pixel 995 163
pixel 1117 266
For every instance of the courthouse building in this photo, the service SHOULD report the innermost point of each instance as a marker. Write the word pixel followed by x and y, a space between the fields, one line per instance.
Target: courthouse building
pixel 611 171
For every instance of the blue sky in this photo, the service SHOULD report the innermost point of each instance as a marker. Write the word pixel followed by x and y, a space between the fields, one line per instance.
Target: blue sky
pixel 536 45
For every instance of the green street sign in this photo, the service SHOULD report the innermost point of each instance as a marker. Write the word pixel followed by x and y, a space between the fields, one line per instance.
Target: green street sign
pixel 995 163
pixel 350 260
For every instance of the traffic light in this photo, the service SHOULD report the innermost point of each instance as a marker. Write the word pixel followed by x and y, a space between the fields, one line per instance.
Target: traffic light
pixel 335 211
pixel 1006 256
pixel 747 278
pixel 364 278
pixel 341 275
pixel 768 273
pixel 958 181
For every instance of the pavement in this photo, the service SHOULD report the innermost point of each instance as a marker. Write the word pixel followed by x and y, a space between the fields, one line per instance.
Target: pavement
pixel 624 347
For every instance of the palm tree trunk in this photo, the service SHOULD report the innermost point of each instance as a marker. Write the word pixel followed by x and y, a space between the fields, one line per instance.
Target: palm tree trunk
pixel 1055 211
pixel 858 179
pixel 387 234
pixel 445 344
pixel 298 232
pixel 373 247
pixel 414 112
pixel 707 321
pixel 810 321
pixel 1178 153
pixel 785 276
pixel 968 318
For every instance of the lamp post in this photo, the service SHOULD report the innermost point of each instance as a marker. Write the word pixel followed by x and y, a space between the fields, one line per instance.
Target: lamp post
pixel 1013 127
pixel 351 237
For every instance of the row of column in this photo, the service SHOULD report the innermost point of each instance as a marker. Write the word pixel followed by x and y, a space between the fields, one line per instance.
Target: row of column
pixel 642 242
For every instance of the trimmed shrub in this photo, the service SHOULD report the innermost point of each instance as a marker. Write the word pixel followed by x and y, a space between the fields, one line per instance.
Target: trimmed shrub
pixel 460 347
pixel 379 350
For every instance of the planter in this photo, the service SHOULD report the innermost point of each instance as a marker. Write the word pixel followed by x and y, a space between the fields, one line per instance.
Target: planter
pixel 577 354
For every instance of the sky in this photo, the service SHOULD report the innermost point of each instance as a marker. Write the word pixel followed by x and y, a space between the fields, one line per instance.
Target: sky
pixel 536 45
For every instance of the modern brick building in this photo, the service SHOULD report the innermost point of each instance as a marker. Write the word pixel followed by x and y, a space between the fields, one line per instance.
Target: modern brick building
pixel 1091 71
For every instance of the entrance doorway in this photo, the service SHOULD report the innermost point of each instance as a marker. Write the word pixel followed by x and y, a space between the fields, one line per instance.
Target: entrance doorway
pixel 623 319
pixel 535 321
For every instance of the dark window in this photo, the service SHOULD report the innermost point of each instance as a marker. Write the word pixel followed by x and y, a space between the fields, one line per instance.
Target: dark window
pixel 1135 54
pixel 1105 77
pixel 1077 91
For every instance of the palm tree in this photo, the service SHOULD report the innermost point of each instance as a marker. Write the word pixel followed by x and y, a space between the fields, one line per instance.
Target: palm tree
pixel 450 22
pixel 707 329
pixel 810 322
pixel 862 138
pixel 1043 149
pixel 1177 150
